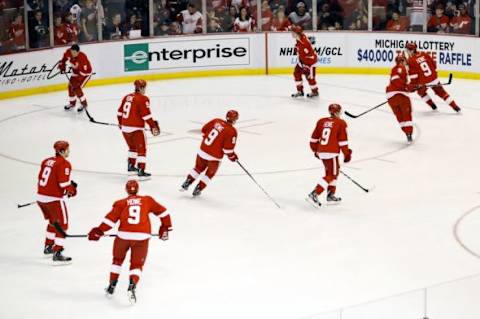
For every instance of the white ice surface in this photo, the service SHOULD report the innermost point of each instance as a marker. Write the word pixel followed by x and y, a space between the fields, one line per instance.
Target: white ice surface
pixel 232 253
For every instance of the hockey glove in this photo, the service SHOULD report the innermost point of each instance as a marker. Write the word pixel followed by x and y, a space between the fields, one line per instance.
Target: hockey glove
pixel 306 71
pixel 347 155
pixel 61 67
pixel 95 234
pixel 163 232
pixel 233 157
pixel 70 190
pixel 316 155
pixel 155 129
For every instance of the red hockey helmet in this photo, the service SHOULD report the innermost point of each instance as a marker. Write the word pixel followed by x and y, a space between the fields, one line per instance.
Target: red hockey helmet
pixel 140 84
pixel 334 109
pixel 131 187
pixel 297 29
pixel 60 146
pixel 232 116
pixel 411 46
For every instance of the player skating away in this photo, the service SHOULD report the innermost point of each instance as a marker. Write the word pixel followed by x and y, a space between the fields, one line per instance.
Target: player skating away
pixel 81 71
pixel 53 184
pixel 397 95
pixel 132 114
pixel 422 70
pixel 219 139
pixel 133 234
pixel 328 139
pixel 307 57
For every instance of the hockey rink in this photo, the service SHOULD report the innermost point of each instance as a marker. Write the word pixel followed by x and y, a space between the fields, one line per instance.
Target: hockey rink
pixel 232 253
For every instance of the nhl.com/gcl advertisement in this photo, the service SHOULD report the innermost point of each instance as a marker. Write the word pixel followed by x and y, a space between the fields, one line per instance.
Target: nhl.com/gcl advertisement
pixel 185 53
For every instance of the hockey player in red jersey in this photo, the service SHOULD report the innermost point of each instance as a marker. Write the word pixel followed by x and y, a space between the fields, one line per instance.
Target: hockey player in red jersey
pixel 397 95
pixel 53 184
pixel 307 58
pixel 328 139
pixel 219 139
pixel 132 114
pixel 423 71
pixel 133 214
pixel 81 72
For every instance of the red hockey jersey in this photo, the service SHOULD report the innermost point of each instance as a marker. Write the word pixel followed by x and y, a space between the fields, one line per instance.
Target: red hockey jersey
pixel 80 64
pixel 422 68
pixel 133 214
pixel 329 136
pixel 305 51
pixel 53 179
pixel 398 81
pixel 219 138
pixel 133 112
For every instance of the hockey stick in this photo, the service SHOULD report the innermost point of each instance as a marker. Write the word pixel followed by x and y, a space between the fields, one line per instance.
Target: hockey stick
pixel 61 231
pixel 86 109
pixel 369 110
pixel 25 205
pixel 253 179
pixel 355 182
pixel 450 76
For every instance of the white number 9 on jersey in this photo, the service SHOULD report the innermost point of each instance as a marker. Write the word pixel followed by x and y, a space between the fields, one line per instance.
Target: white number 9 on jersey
pixel 425 68
pixel 211 137
pixel 325 136
pixel 134 215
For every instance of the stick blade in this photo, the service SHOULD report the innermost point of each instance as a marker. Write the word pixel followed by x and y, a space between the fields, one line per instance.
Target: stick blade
pixel 450 76
pixel 350 115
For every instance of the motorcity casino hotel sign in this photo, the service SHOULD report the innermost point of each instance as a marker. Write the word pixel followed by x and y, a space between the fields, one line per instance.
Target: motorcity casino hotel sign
pixel 14 74
pixel 186 54
pixel 444 52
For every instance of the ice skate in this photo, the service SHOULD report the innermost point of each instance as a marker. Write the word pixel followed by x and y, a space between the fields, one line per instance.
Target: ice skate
pixel 457 109
pixel 297 94
pixel 434 107
pixel 81 108
pixel 68 107
pixel 409 139
pixel 186 185
pixel 110 289
pixel 59 259
pixel 197 191
pixel 132 170
pixel 131 293
pixel 48 250
pixel 142 175
pixel 332 198
pixel 312 198
pixel 312 94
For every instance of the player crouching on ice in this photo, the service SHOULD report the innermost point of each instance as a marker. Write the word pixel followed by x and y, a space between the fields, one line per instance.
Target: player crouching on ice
pixel 397 96
pixel 133 234
pixel 219 139
pixel 307 57
pixel 328 138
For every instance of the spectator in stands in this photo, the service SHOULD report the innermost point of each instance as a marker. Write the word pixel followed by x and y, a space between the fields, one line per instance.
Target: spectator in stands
pixel 214 25
pixel 161 14
pixel 275 4
pixel 59 33
pixel 328 20
pixel 238 4
pixel 190 19
pixel 38 31
pixel 228 20
pixel 132 24
pixel 36 5
pixel 76 12
pixel 397 23
pixel 162 28
pixel 17 33
pixel 280 21
pixel 114 29
pixel 89 22
pixel 61 7
pixel 359 18
pixel 417 16
pixel 244 22
pixel 71 28
pixel 439 22
pixel 267 16
pixel 461 22
pixel 175 29
pixel 301 16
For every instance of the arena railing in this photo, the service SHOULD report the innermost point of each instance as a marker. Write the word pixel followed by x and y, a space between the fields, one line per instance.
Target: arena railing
pixel 45 22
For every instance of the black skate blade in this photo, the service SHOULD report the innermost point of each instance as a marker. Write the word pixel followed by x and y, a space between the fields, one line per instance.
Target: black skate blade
pixel 315 205
pixel 131 298
pixel 61 263
pixel 144 178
